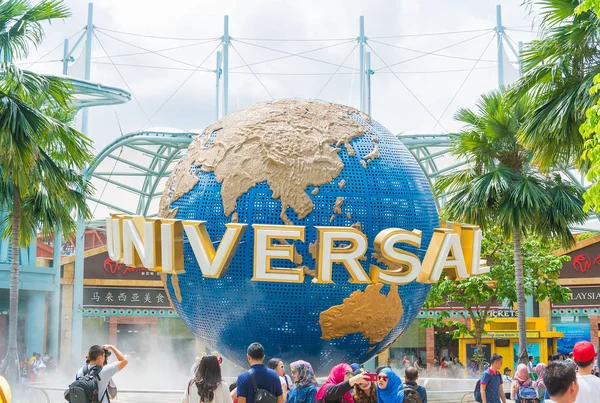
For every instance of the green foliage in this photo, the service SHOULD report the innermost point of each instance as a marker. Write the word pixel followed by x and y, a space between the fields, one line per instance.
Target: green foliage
pixel 43 156
pixel 590 129
pixel 586 235
pixel 500 187
pixel 21 24
pixel 559 72
pixel 477 294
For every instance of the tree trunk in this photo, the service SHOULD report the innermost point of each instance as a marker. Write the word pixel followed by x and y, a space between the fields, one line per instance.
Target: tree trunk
pixel 479 346
pixel 520 287
pixel 12 356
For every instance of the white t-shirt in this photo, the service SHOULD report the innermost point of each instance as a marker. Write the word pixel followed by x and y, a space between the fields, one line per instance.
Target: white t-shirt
pixel 222 394
pixel 589 389
pixel 286 381
pixel 108 371
pixel 506 383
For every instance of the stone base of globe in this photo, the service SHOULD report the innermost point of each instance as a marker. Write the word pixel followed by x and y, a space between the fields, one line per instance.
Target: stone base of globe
pixel 302 163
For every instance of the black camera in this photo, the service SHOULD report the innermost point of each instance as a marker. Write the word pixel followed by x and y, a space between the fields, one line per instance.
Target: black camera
pixel 107 353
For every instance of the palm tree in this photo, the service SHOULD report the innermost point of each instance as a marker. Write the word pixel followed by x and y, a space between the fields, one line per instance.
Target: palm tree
pixel 558 72
pixel 500 186
pixel 42 157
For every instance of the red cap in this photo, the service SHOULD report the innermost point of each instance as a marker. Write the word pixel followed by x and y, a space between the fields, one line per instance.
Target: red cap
pixel 584 351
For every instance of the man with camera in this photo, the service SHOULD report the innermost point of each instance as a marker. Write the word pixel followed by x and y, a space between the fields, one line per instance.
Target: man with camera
pixel 98 356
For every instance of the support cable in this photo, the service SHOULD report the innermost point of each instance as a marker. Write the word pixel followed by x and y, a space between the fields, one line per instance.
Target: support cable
pixel 252 71
pixel 105 185
pixel 180 86
pixel 154 36
pixel 289 54
pixel 405 86
pixel 463 83
pixel 157 50
pixel 149 50
pixel 121 75
pixel 431 34
pixel 58 46
pixel 335 72
pixel 431 53
pixel 437 50
pixel 296 40
pixel 258 73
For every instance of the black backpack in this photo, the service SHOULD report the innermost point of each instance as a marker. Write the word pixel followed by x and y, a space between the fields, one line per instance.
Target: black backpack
pixel 85 389
pixel 261 395
pixel 411 395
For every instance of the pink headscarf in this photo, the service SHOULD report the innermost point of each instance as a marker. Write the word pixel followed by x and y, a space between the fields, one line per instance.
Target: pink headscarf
pixel 539 370
pixel 522 374
pixel 336 376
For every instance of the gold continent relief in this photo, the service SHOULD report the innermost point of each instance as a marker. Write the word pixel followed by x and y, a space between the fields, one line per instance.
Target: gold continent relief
pixel 289 144
pixel 368 312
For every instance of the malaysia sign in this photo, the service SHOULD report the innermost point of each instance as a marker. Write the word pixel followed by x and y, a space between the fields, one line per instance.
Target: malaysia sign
pixel 157 245
pixel 582 296
pixel 123 297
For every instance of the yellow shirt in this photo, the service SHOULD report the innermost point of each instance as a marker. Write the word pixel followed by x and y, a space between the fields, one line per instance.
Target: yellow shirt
pixel 5 391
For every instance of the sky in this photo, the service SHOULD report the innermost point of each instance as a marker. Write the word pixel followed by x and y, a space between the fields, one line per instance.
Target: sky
pixel 412 90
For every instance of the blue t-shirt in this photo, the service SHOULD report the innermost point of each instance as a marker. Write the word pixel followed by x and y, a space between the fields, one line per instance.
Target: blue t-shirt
pixel 266 379
pixel 494 386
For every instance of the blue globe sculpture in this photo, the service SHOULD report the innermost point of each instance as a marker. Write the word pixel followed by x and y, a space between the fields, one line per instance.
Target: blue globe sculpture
pixel 303 163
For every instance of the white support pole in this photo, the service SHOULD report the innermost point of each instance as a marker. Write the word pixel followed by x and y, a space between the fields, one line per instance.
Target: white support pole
pixel 520 58
pixel 65 70
pixel 226 66
pixel 217 88
pixel 361 44
pixel 368 86
pixel 88 62
pixel 77 313
pixel 54 333
pixel 499 35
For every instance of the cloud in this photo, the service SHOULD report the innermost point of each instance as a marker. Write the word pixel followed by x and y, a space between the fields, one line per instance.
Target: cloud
pixel 411 100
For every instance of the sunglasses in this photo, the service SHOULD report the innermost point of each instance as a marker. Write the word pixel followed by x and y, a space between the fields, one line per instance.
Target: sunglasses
pixel 382 378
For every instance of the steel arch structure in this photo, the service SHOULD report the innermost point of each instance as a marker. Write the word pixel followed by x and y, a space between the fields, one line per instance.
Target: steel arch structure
pixel 134 169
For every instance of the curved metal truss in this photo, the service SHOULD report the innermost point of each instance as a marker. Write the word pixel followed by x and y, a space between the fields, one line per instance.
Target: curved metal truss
pixel 131 172
pixel 88 93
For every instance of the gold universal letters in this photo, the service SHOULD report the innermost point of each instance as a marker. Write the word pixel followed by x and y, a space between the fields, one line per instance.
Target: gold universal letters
pixel 265 251
pixel 328 253
pixel 395 258
pixel 157 244
pixel 213 264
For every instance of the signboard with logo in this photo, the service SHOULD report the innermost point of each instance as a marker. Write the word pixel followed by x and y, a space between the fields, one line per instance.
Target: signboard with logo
pixel 473 354
pixel 533 349
pixel 582 296
pixel 102 267
pixel 584 263
pixel 510 335
pixel 125 297
pixel 573 332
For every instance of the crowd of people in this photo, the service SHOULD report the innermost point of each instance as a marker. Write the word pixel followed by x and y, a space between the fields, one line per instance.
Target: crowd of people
pixel 346 383
pixel 566 379
pixel 573 379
